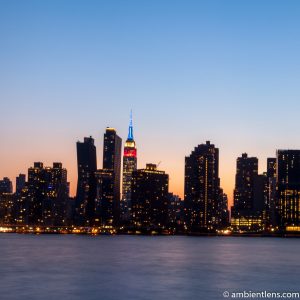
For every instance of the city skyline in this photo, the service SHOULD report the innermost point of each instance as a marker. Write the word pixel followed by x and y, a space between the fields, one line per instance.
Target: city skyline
pixel 263 203
pixel 191 73
pixel 149 149
pixel 262 167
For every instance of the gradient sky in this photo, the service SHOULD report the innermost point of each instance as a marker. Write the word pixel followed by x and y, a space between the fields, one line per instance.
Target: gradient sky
pixel 224 71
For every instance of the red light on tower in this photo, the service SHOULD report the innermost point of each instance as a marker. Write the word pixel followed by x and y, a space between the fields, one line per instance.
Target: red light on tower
pixel 130 152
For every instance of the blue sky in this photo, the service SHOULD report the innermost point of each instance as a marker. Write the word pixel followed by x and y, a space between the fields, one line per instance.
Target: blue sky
pixel 225 71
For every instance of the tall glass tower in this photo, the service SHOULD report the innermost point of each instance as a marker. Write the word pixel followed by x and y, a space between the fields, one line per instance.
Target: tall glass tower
pixel 129 165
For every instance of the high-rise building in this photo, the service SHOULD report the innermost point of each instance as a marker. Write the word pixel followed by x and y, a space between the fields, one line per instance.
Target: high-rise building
pixel 129 165
pixel 42 201
pixel 288 189
pixel 175 213
pixel 150 198
pixel 7 202
pixel 108 179
pixel 223 208
pixel 34 195
pixel 104 209
pixel 250 194
pixel 246 170
pixel 271 194
pixel 6 186
pixel 202 188
pixel 20 183
pixel 56 195
pixel 86 184
pixel 7 208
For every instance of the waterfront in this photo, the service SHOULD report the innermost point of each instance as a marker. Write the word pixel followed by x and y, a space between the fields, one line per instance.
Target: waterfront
pixel 144 267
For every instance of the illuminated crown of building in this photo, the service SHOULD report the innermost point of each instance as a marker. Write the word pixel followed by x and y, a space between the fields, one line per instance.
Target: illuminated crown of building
pixel 130 143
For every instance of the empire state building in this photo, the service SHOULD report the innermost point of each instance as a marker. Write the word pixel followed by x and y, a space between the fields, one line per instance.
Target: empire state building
pixel 129 165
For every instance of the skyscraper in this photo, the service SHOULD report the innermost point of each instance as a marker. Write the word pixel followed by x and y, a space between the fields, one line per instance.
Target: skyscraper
pixel 104 209
pixel 271 193
pixel 7 202
pixel 20 183
pixel 246 170
pixel 150 198
pixel 288 189
pixel 202 188
pixel 129 165
pixel 108 179
pixel 56 195
pixel 250 195
pixel 42 201
pixel 86 184
pixel 6 186
pixel 34 195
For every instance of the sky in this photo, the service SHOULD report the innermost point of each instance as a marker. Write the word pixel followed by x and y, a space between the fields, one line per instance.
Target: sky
pixel 191 71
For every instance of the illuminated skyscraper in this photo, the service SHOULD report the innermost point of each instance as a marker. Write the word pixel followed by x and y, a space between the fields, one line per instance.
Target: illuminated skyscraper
pixel 202 188
pixel 288 189
pixel 129 165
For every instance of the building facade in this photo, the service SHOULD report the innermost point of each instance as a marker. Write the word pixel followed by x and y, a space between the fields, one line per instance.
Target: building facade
pixel 129 166
pixel 288 190
pixel 202 188
pixel 20 183
pixel 6 186
pixel 109 180
pixel 150 198
pixel 250 196
pixel 86 185
pixel 43 199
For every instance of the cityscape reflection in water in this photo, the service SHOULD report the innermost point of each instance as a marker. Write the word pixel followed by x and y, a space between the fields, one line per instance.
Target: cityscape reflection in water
pixel 144 267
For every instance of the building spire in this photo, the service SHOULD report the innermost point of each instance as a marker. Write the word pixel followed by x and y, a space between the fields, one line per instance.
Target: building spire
pixel 130 131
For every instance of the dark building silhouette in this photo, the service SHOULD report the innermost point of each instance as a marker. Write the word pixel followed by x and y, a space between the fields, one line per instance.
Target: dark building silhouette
pixel 175 213
pixel 288 189
pixel 20 183
pixel 250 196
pixel 33 196
pixel 43 199
pixel 202 188
pixel 260 192
pixel 150 198
pixel 223 208
pixel 104 210
pixel 129 165
pixel 56 195
pixel 7 209
pixel 7 202
pixel 246 170
pixel 270 217
pixel 271 167
pixel 108 180
pixel 6 186
pixel 86 185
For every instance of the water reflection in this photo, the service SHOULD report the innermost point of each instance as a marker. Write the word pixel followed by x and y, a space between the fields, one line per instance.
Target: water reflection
pixel 139 267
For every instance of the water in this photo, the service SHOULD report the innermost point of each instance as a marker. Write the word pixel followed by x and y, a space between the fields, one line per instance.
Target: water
pixel 75 267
